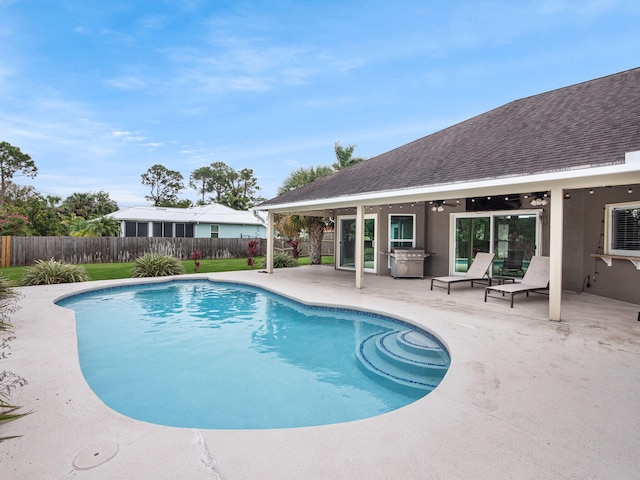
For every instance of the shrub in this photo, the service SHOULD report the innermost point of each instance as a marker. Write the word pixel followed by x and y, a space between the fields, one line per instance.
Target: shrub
pixel 196 255
pixel 156 265
pixel 52 272
pixel 282 260
pixel 8 380
pixel 253 250
pixel 295 248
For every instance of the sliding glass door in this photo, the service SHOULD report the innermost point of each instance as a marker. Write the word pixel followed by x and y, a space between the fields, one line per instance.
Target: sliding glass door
pixel 347 243
pixel 472 236
pixel 513 236
pixel 514 243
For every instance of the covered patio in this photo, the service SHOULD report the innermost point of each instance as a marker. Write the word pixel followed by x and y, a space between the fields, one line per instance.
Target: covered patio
pixel 575 148
pixel 524 398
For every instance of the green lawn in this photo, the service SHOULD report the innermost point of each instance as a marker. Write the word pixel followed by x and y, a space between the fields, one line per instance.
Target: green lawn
pixel 112 271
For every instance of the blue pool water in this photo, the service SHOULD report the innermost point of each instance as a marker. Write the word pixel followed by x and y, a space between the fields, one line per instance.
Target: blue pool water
pixel 227 356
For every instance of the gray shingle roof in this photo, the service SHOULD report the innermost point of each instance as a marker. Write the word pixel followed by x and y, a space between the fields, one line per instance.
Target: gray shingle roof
pixel 592 123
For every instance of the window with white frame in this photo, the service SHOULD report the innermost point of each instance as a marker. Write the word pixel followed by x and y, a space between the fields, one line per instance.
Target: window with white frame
pixel 215 231
pixel 623 229
pixel 402 231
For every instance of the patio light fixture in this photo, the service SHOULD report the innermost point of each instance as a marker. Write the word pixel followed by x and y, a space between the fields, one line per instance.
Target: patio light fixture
pixel 540 199
pixel 438 206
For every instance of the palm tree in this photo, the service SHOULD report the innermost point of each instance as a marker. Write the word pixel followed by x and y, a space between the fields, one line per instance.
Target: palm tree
pixel 76 225
pixel 292 225
pixel 344 156
pixel 103 227
pixel 200 180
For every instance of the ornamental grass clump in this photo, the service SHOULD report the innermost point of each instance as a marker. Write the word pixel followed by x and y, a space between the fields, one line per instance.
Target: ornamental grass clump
pixel 156 265
pixel 8 380
pixel 282 260
pixel 52 272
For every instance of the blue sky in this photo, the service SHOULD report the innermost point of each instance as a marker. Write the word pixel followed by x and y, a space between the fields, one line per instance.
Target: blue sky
pixel 99 91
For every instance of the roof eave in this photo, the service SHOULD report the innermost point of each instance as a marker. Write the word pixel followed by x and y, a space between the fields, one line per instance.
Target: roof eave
pixel 578 177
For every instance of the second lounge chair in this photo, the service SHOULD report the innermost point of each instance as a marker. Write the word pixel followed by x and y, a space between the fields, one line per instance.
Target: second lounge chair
pixel 536 279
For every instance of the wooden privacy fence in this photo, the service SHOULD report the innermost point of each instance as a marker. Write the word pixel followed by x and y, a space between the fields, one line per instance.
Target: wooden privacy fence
pixel 24 251
pixel 21 251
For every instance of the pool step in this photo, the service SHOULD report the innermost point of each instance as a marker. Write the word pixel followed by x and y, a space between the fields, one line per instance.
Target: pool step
pixel 407 358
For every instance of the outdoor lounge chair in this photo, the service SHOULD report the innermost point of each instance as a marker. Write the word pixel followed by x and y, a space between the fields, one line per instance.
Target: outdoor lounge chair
pixel 477 271
pixel 535 279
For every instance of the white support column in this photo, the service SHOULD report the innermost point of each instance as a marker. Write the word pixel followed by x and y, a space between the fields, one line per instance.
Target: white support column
pixel 359 260
pixel 270 232
pixel 555 253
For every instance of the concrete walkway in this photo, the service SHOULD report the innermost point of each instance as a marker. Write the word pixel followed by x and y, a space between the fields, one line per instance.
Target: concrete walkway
pixel 524 398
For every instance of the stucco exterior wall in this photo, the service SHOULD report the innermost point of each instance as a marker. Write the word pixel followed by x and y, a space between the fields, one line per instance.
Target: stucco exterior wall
pixel 383 231
pixel 203 230
pixel 621 280
pixel 583 236
pixel 242 231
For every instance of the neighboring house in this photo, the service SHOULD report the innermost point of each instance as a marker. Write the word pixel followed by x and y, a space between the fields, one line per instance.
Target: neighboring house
pixel 208 221
pixel 555 174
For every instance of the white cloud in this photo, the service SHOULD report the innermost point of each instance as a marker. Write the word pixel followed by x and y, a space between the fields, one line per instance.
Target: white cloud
pixel 126 82
pixel 153 22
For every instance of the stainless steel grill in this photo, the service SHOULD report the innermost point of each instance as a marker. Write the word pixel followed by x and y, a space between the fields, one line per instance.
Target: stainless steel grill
pixel 407 262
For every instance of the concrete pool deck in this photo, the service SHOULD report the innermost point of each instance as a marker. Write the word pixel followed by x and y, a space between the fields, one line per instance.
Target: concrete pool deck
pixel 525 398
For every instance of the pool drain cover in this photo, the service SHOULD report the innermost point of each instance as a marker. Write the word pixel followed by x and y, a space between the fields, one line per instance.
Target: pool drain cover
pixel 95 455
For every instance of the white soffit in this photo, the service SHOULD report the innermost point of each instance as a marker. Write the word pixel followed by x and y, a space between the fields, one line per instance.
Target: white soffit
pixel 618 174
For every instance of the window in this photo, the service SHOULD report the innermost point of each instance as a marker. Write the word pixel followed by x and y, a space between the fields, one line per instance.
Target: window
pixel 184 230
pixel 215 229
pixel 143 229
pixel 136 229
pixel 402 231
pixel 130 229
pixel 623 229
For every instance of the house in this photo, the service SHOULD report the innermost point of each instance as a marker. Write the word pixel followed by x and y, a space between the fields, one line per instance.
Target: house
pixel 207 221
pixel 554 174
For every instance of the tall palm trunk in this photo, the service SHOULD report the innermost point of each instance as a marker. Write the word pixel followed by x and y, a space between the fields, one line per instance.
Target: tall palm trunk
pixel 316 232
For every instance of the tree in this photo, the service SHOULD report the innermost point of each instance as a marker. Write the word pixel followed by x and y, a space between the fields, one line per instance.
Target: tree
pixel 303 176
pixel 200 180
pixel 165 184
pixel 292 225
pixel 344 156
pixel 220 182
pixel 12 161
pixel 103 227
pixel 44 218
pixel 176 203
pixel 88 204
pixel 241 192
pixel 235 189
pixel 13 223
pixel 77 226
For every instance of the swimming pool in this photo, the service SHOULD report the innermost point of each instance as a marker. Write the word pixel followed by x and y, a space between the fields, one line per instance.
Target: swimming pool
pixel 203 354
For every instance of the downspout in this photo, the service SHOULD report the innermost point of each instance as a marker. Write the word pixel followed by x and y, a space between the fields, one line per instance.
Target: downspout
pixel 260 219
